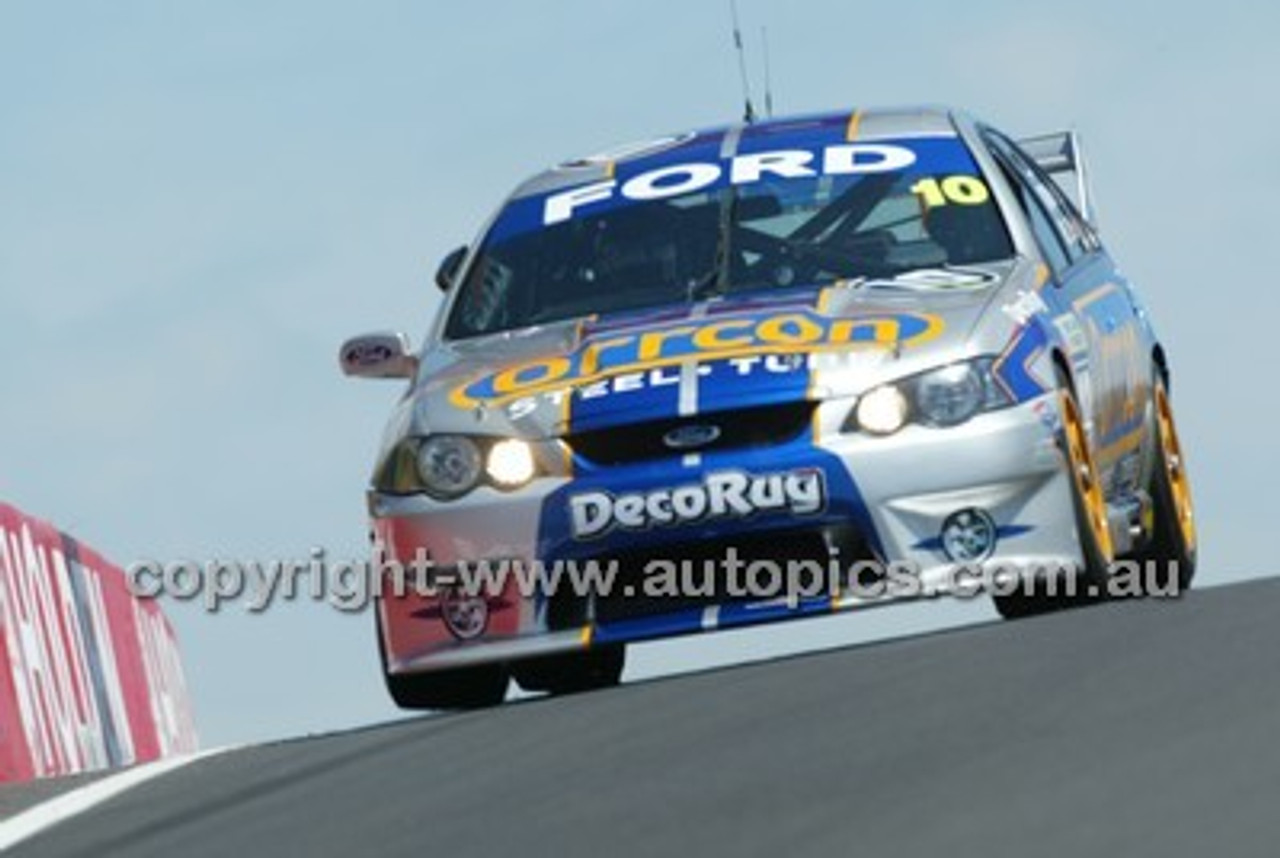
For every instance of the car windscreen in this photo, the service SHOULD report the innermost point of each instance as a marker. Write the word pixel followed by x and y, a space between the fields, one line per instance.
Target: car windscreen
pixel 687 231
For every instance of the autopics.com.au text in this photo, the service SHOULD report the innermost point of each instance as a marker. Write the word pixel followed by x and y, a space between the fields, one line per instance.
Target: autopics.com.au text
pixel 351 585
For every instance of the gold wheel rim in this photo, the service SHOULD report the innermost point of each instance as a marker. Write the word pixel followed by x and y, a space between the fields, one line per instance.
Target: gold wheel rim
pixel 1175 469
pixel 1085 474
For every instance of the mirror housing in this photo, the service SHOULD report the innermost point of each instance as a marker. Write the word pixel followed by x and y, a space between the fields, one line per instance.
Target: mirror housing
pixel 449 268
pixel 381 355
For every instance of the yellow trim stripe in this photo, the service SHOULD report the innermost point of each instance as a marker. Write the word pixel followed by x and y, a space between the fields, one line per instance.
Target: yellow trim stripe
pixel 1096 295
pixel 851 131
pixel 1126 443
pixel 824 299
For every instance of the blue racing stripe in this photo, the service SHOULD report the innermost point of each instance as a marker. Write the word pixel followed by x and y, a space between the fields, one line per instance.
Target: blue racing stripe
pixel 639 628
pixel 750 613
pixel 1012 369
pixel 1004 531
pixel 751 381
pixel 636 396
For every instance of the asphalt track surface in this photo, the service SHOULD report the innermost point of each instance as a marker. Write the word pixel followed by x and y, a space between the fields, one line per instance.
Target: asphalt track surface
pixel 1137 728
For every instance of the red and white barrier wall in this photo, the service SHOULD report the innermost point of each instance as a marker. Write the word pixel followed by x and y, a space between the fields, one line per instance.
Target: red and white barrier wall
pixel 90 676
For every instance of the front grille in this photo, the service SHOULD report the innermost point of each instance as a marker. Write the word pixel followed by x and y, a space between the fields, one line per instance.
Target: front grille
pixel 743 428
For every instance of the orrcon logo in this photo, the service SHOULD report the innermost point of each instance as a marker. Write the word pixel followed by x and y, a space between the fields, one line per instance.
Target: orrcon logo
pixel 720 494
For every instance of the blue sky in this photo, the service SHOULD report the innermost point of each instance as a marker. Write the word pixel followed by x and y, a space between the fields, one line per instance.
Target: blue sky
pixel 198 201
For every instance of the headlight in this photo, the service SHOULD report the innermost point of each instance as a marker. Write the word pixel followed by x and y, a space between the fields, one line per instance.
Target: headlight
pixel 510 463
pixel 448 465
pixel 882 411
pixel 947 396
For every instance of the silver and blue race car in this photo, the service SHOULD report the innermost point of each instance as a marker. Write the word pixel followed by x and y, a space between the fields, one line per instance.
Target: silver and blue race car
pixel 762 372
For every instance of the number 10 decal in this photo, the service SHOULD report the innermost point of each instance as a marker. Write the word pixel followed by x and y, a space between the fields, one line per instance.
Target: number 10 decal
pixel 961 190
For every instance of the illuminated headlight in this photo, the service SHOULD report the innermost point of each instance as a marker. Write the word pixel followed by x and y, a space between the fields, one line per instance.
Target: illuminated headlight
pixel 882 411
pixel 448 465
pixel 510 463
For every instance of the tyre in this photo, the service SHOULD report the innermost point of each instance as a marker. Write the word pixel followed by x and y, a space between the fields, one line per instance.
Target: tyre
pixel 599 667
pixel 1168 559
pixel 475 687
pixel 1092 527
pixel 460 688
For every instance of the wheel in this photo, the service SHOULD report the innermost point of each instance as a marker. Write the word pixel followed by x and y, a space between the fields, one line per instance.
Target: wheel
pixel 1168 560
pixel 599 667
pixel 459 688
pixel 1092 527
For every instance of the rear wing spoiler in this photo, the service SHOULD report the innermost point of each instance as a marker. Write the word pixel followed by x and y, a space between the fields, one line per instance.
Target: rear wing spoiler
pixel 1060 154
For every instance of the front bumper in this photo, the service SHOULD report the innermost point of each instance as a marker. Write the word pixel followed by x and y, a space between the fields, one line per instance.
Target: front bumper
pixel 886 499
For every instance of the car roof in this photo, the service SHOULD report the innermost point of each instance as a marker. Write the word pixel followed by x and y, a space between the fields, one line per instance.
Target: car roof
pixel 838 126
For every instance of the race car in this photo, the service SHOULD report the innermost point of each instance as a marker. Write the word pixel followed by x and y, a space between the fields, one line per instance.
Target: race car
pixel 761 372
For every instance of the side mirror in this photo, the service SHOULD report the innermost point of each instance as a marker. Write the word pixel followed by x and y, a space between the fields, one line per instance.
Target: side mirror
pixel 378 356
pixel 449 266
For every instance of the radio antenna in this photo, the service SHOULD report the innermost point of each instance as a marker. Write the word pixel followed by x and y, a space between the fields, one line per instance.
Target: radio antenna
pixel 749 111
pixel 768 78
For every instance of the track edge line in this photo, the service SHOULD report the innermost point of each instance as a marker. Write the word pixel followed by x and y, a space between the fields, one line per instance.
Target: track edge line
pixel 47 814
